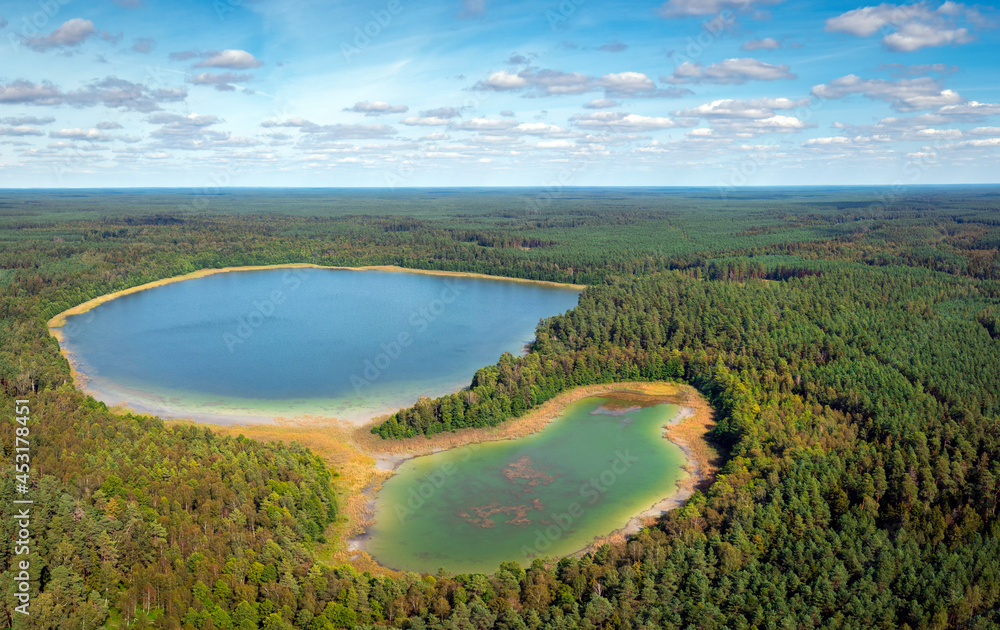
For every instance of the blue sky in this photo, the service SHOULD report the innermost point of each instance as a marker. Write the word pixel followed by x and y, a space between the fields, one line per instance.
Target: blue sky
pixel 488 93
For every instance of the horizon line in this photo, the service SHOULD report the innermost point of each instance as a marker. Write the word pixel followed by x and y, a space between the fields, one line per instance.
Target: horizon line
pixel 216 190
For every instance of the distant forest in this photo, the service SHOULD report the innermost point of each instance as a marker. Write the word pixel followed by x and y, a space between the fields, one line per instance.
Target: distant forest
pixel 848 338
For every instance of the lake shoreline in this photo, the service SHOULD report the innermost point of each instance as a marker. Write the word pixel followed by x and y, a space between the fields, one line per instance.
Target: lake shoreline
pixel 372 460
pixel 81 381
pixel 364 461
pixel 59 319
pixel 688 430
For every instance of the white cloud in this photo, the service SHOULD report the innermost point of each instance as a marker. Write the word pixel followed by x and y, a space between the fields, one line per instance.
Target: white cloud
pixel 503 81
pixel 917 70
pixel 732 118
pixel 448 112
pixel 191 120
pixel 938 134
pixel 555 144
pixel 985 131
pixel 979 143
pixel 222 82
pixel 189 132
pixel 760 148
pixel 905 95
pixel 300 123
pixel 972 110
pixel 601 103
pixel 621 122
pixel 540 129
pixel 376 108
pixel 856 140
pixel 918 128
pixel 912 37
pixel 21 130
pixel 232 59
pixel 626 82
pixel 916 26
pixel 484 124
pixel 170 94
pixel 735 108
pixel 779 123
pixel 352 132
pixel 814 142
pixel 110 92
pixel 93 135
pixel 70 34
pixel 615 47
pixel 231 142
pixel 842 146
pixel 689 8
pixel 729 71
pixel 490 141
pixel 425 121
pixel 557 82
pixel 767 43
pixel 27 120
pixel 635 85
pixel 22 91
pixel 910 128
pixel 867 21
pixel 552 82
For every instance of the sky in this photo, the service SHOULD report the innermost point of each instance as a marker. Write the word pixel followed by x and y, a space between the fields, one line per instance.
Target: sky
pixel 406 93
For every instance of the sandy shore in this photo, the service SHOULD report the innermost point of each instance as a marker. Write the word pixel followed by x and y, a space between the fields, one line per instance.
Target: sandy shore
pixel 60 319
pixel 688 431
pixel 364 461
pixel 532 422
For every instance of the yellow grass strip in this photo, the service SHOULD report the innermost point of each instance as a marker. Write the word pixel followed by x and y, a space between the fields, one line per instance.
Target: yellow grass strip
pixel 60 319
pixel 364 461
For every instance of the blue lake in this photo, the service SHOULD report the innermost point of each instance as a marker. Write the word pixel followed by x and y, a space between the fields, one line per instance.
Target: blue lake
pixel 254 345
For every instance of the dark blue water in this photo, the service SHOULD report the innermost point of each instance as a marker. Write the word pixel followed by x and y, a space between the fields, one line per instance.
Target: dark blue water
pixel 292 341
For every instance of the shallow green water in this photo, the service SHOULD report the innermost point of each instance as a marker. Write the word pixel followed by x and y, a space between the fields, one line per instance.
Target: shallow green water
pixel 603 461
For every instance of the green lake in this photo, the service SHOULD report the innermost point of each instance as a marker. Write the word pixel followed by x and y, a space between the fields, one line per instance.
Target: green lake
pixel 586 474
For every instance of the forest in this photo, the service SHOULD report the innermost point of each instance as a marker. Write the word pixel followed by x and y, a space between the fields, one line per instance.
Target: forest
pixel 848 339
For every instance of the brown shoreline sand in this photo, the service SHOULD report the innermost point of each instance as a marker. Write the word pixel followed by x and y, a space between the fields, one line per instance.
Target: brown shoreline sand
pixel 60 319
pixel 364 461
